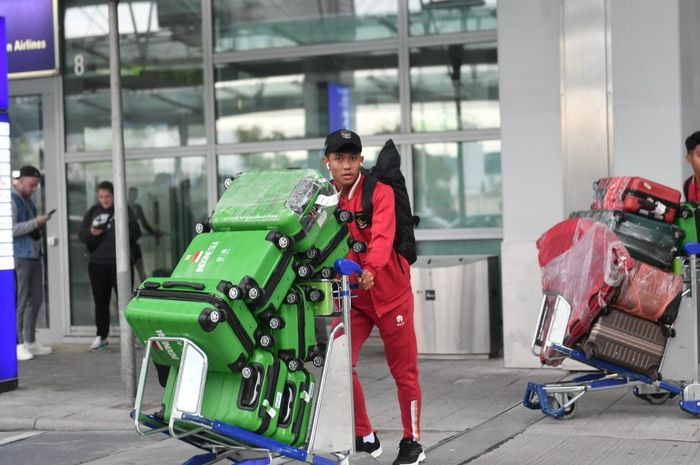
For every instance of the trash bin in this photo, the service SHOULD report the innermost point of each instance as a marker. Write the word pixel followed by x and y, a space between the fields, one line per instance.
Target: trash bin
pixel 457 306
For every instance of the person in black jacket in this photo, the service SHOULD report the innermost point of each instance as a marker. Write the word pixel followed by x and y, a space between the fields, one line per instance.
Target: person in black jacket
pixel 98 234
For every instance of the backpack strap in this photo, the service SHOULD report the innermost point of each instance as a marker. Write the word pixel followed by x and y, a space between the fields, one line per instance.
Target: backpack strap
pixel 368 186
pixel 686 187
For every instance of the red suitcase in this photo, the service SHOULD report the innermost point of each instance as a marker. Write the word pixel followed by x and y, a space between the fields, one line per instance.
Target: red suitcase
pixel 651 293
pixel 637 195
pixel 583 261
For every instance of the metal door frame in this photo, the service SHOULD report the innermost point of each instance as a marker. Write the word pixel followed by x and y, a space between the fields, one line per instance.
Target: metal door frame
pixel 55 188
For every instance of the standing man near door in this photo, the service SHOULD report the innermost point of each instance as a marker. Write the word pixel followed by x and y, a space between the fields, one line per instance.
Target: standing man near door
pixel 26 233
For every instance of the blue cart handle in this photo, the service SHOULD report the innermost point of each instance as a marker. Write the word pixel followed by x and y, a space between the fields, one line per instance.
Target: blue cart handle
pixel 692 248
pixel 346 267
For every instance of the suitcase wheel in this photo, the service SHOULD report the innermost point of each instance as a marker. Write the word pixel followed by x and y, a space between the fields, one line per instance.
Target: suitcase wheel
pixel 312 253
pixel 291 298
pixel 276 322
pixel 317 360
pixel 669 332
pixel 304 271
pixel 327 273
pixel 266 341
pixel 235 293
pixel 200 228
pixel 246 372
pixel 283 242
pixel 679 234
pixel 358 246
pixel 344 216
pixel 315 295
pixel 293 364
pixel 254 292
pixel 686 212
pixel 653 373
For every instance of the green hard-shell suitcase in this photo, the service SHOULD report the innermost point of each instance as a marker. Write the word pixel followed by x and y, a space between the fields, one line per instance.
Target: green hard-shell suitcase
pixel 331 244
pixel 687 221
pixel 250 399
pixel 259 272
pixel 295 411
pixel 293 328
pixel 198 310
pixel 294 203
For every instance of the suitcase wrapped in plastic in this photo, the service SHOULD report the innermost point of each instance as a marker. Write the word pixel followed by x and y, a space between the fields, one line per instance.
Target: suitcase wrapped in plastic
pixel 197 310
pixel 637 195
pixel 687 221
pixel 297 394
pixel 629 341
pixel 293 329
pixel 650 293
pixel 647 240
pixel 250 399
pixel 293 202
pixel 256 269
pixel 583 261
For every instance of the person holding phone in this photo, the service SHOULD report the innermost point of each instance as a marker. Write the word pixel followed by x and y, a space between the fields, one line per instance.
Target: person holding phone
pixel 97 232
pixel 29 275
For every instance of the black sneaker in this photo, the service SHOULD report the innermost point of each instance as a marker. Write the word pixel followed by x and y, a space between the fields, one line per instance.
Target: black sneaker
pixel 410 453
pixel 372 448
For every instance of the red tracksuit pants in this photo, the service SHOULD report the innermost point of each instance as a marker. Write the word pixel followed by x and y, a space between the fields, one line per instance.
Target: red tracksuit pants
pixel 399 338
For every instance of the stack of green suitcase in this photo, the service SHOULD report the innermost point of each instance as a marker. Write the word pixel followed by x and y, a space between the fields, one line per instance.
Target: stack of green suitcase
pixel 246 291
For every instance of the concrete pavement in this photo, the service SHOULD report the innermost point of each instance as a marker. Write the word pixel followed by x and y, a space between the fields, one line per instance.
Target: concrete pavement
pixel 471 413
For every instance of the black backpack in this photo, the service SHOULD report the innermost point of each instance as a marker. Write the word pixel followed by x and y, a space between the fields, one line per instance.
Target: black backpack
pixel 387 170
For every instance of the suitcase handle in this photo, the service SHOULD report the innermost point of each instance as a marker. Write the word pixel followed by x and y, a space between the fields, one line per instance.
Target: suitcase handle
pixel 195 286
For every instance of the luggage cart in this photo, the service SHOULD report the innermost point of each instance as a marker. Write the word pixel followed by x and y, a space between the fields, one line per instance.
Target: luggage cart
pixel 679 367
pixel 331 440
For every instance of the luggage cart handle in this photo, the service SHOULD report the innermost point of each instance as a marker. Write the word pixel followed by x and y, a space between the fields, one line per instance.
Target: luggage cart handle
pixel 692 248
pixel 346 267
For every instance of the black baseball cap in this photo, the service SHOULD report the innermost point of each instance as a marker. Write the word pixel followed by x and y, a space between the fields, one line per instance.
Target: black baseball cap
pixel 29 171
pixel 343 140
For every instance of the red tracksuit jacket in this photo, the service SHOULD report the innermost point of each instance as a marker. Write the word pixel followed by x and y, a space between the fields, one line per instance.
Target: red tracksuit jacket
pixel 392 278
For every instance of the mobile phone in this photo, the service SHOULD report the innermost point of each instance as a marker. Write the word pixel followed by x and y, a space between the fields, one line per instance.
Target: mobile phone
pixel 51 213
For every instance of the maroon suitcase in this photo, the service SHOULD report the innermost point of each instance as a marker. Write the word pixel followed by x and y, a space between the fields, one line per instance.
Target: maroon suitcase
pixel 585 262
pixel 628 341
pixel 637 195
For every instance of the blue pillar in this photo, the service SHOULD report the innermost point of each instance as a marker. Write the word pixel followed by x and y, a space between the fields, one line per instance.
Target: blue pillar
pixel 8 331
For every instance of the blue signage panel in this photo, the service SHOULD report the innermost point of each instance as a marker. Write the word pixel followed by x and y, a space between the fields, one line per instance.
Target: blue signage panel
pixel 8 331
pixel 339 106
pixel 32 37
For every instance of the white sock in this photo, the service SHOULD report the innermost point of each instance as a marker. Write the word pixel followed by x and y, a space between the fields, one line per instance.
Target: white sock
pixel 368 438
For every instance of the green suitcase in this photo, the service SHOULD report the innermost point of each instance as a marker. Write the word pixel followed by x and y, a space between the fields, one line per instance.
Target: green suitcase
pixel 293 327
pixel 687 221
pixel 331 244
pixel 259 272
pixel 197 310
pixel 295 411
pixel 250 399
pixel 294 203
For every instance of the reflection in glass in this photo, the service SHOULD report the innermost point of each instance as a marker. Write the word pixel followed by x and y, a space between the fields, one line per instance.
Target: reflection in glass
pixel 244 25
pixel 458 184
pixel 171 192
pixel 228 165
pixel 443 17
pixel 161 53
pixel 454 87
pixel 289 99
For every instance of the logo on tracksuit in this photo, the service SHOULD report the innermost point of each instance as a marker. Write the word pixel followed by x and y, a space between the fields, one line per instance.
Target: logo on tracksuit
pixel 399 320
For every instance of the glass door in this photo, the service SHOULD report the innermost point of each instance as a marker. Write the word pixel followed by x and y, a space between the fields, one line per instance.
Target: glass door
pixel 33 120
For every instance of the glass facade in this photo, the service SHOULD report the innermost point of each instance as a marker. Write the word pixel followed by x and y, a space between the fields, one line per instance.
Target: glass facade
pixel 161 55
pixel 295 98
pixel 244 25
pixel 212 87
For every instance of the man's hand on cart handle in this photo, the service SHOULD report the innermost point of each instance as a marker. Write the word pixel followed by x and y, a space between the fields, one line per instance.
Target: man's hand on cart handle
pixel 366 280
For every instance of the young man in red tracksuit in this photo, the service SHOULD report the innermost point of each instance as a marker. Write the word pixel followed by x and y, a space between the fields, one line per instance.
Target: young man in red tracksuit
pixel 384 298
